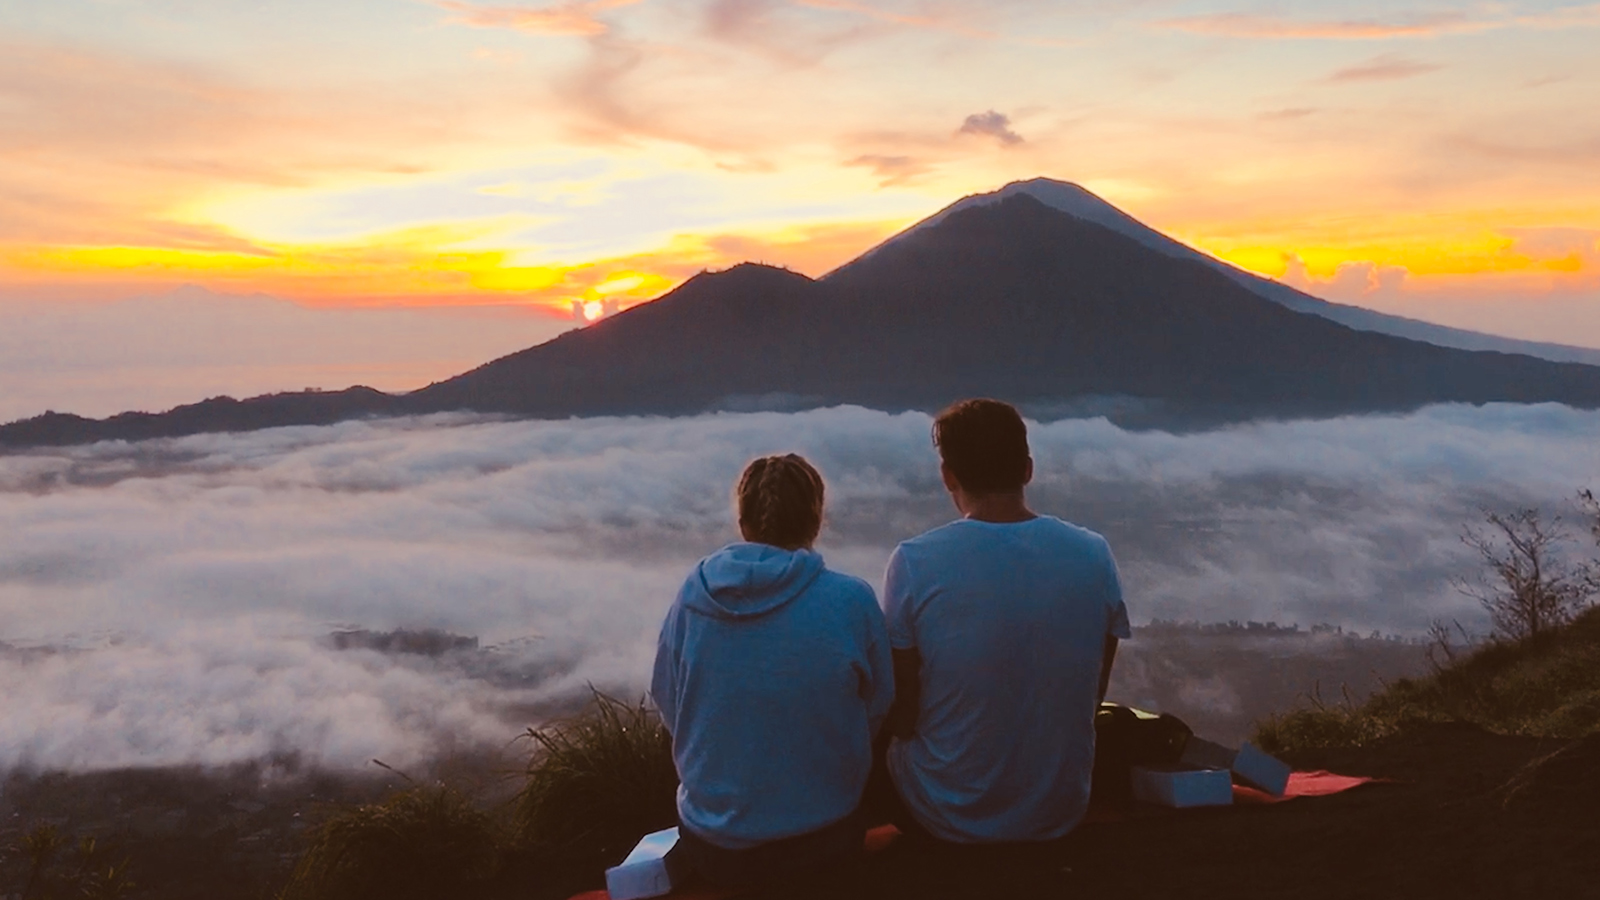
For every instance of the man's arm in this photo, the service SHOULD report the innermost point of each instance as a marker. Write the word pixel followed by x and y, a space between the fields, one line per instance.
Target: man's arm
pixel 902 721
pixel 1107 657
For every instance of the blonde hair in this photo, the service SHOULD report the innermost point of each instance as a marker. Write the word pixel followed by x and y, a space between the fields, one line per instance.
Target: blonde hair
pixel 780 501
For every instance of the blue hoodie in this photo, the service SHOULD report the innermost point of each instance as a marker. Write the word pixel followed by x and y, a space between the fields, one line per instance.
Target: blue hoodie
pixel 773 675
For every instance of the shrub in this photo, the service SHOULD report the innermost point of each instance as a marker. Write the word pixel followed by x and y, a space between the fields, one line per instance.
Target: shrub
pixel 1544 685
pixel 419 844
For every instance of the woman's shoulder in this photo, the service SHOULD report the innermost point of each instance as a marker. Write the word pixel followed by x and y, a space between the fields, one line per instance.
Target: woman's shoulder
pixel 840 584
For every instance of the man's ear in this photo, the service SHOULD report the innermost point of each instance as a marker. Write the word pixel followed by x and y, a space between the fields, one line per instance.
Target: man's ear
pixel 1027 471
pixel 950 482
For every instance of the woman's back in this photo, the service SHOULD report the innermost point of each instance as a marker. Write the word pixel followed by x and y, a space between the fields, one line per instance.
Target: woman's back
pixel 772 674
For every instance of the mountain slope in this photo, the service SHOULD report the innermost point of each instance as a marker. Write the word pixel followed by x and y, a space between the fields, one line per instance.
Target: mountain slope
pixel 1081 203
pixel 1011 299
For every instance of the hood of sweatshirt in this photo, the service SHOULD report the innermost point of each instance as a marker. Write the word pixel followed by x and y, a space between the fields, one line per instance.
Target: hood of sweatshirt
pixel 745 580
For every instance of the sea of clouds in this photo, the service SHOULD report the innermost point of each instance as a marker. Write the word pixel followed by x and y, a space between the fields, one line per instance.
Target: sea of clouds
pixel 170 602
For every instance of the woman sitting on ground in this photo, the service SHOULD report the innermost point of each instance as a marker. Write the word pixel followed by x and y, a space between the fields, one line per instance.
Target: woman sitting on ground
pixel 773 674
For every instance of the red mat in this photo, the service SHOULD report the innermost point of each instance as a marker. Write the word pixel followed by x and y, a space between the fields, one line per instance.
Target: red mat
pixel 1301 784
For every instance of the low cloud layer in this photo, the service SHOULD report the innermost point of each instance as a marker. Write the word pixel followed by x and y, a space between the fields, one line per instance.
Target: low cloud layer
pixel 169 602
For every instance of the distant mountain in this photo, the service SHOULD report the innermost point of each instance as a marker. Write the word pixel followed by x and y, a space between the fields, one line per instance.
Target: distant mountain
pixel 1081 203
pixel 215 414
pixel 1010 297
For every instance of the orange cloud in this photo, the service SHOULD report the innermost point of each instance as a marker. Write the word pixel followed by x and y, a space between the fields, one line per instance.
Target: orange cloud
pixel 1387 67
pixel 573 18
pixel 935 23
pixel 418 267
pixel 1246 25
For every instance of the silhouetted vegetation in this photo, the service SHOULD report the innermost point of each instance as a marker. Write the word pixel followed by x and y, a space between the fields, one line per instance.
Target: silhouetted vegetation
pixel 1542 685
pixel 419 844
pixel 1527 585
pixel 51 866
pixel 594 783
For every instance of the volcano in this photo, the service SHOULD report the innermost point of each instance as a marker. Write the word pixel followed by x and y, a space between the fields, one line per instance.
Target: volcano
pixel 1039 294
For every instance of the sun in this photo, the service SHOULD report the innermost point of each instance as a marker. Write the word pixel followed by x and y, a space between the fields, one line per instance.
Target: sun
pixel 593 309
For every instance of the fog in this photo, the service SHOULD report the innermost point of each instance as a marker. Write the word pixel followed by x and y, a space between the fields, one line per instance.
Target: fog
pixel 171 602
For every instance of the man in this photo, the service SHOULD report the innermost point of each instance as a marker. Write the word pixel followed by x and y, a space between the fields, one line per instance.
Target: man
pixel 1003 625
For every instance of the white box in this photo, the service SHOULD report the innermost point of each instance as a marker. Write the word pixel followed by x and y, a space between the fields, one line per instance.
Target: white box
pixel 1182 788
pixel 1257 769
pixel 645 872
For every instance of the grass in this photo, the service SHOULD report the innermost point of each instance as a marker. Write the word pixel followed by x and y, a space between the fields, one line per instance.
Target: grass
pixel 418 844
pixel 1546 685
pixel 597 782
pixel 593 785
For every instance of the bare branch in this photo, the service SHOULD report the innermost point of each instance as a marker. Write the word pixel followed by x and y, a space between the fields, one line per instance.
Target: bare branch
pixel 1528 585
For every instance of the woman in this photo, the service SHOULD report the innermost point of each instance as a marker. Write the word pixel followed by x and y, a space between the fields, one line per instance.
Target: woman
pixel 773 674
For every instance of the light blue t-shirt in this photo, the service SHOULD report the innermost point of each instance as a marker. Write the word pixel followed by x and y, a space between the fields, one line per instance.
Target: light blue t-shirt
pixel 772 673
pixel 1010 620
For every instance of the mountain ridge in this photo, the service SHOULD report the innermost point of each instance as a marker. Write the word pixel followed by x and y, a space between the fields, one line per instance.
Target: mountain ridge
pixel 1009 298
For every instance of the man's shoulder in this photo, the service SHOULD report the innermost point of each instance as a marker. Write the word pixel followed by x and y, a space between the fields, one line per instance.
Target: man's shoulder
pixel 1075 534
pixel 963 531
pixel 936 538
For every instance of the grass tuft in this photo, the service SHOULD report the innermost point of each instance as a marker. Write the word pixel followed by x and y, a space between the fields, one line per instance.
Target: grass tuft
pixel 418 844
pixel 596 783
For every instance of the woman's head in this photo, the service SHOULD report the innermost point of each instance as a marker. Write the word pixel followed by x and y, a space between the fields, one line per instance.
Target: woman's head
pixel 780 502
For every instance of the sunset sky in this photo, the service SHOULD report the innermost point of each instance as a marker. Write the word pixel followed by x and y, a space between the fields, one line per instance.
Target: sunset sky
pixel 503 161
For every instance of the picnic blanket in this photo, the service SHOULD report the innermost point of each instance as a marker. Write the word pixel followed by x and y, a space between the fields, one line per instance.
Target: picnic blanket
pixel 1301 784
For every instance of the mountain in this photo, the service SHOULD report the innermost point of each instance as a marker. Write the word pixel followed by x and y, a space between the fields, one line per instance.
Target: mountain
pixel 1081 203
pixel 1010 297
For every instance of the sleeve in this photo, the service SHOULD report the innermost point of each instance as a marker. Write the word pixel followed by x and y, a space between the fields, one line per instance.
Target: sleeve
pixel 664 677
pixel 898 603
pixel 1117 619
pixel 879 689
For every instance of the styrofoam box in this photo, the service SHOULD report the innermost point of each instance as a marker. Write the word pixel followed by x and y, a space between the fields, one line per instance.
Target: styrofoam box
pixel 1259 770
pixel 644 873
pixel 1182 788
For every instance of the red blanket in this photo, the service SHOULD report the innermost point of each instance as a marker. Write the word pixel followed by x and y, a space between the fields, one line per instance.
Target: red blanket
pixel 1301 784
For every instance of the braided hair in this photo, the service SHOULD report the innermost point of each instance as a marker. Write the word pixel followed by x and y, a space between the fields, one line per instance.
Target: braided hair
pixel 780 502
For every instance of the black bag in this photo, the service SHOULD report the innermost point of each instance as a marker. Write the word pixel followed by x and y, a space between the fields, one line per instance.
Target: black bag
pixel 1127 737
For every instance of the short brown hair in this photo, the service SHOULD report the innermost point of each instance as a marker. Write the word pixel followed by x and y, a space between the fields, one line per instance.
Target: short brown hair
pixel 984 444
pixel 780 501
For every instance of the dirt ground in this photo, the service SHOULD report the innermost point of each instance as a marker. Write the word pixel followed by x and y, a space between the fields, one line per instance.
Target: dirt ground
pixel 1472 815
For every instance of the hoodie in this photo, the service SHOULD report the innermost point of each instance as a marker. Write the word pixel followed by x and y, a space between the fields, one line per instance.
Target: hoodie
pixel 773 675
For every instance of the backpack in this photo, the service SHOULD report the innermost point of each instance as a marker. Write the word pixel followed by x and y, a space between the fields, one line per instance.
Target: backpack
pixel 1126 737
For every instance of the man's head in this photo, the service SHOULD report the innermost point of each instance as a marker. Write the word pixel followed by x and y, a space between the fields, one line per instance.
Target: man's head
pixel 983 446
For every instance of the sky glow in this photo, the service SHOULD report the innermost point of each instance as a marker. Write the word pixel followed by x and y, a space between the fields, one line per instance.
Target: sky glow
pixel 1435 160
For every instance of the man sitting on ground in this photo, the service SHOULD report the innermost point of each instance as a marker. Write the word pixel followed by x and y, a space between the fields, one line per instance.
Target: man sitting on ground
pixel 1003 625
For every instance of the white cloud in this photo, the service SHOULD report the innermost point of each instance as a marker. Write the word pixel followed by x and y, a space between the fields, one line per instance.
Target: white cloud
pixel 183 588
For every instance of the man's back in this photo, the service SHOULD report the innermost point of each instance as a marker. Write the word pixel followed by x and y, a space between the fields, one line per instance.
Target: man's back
pixel 1010 620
